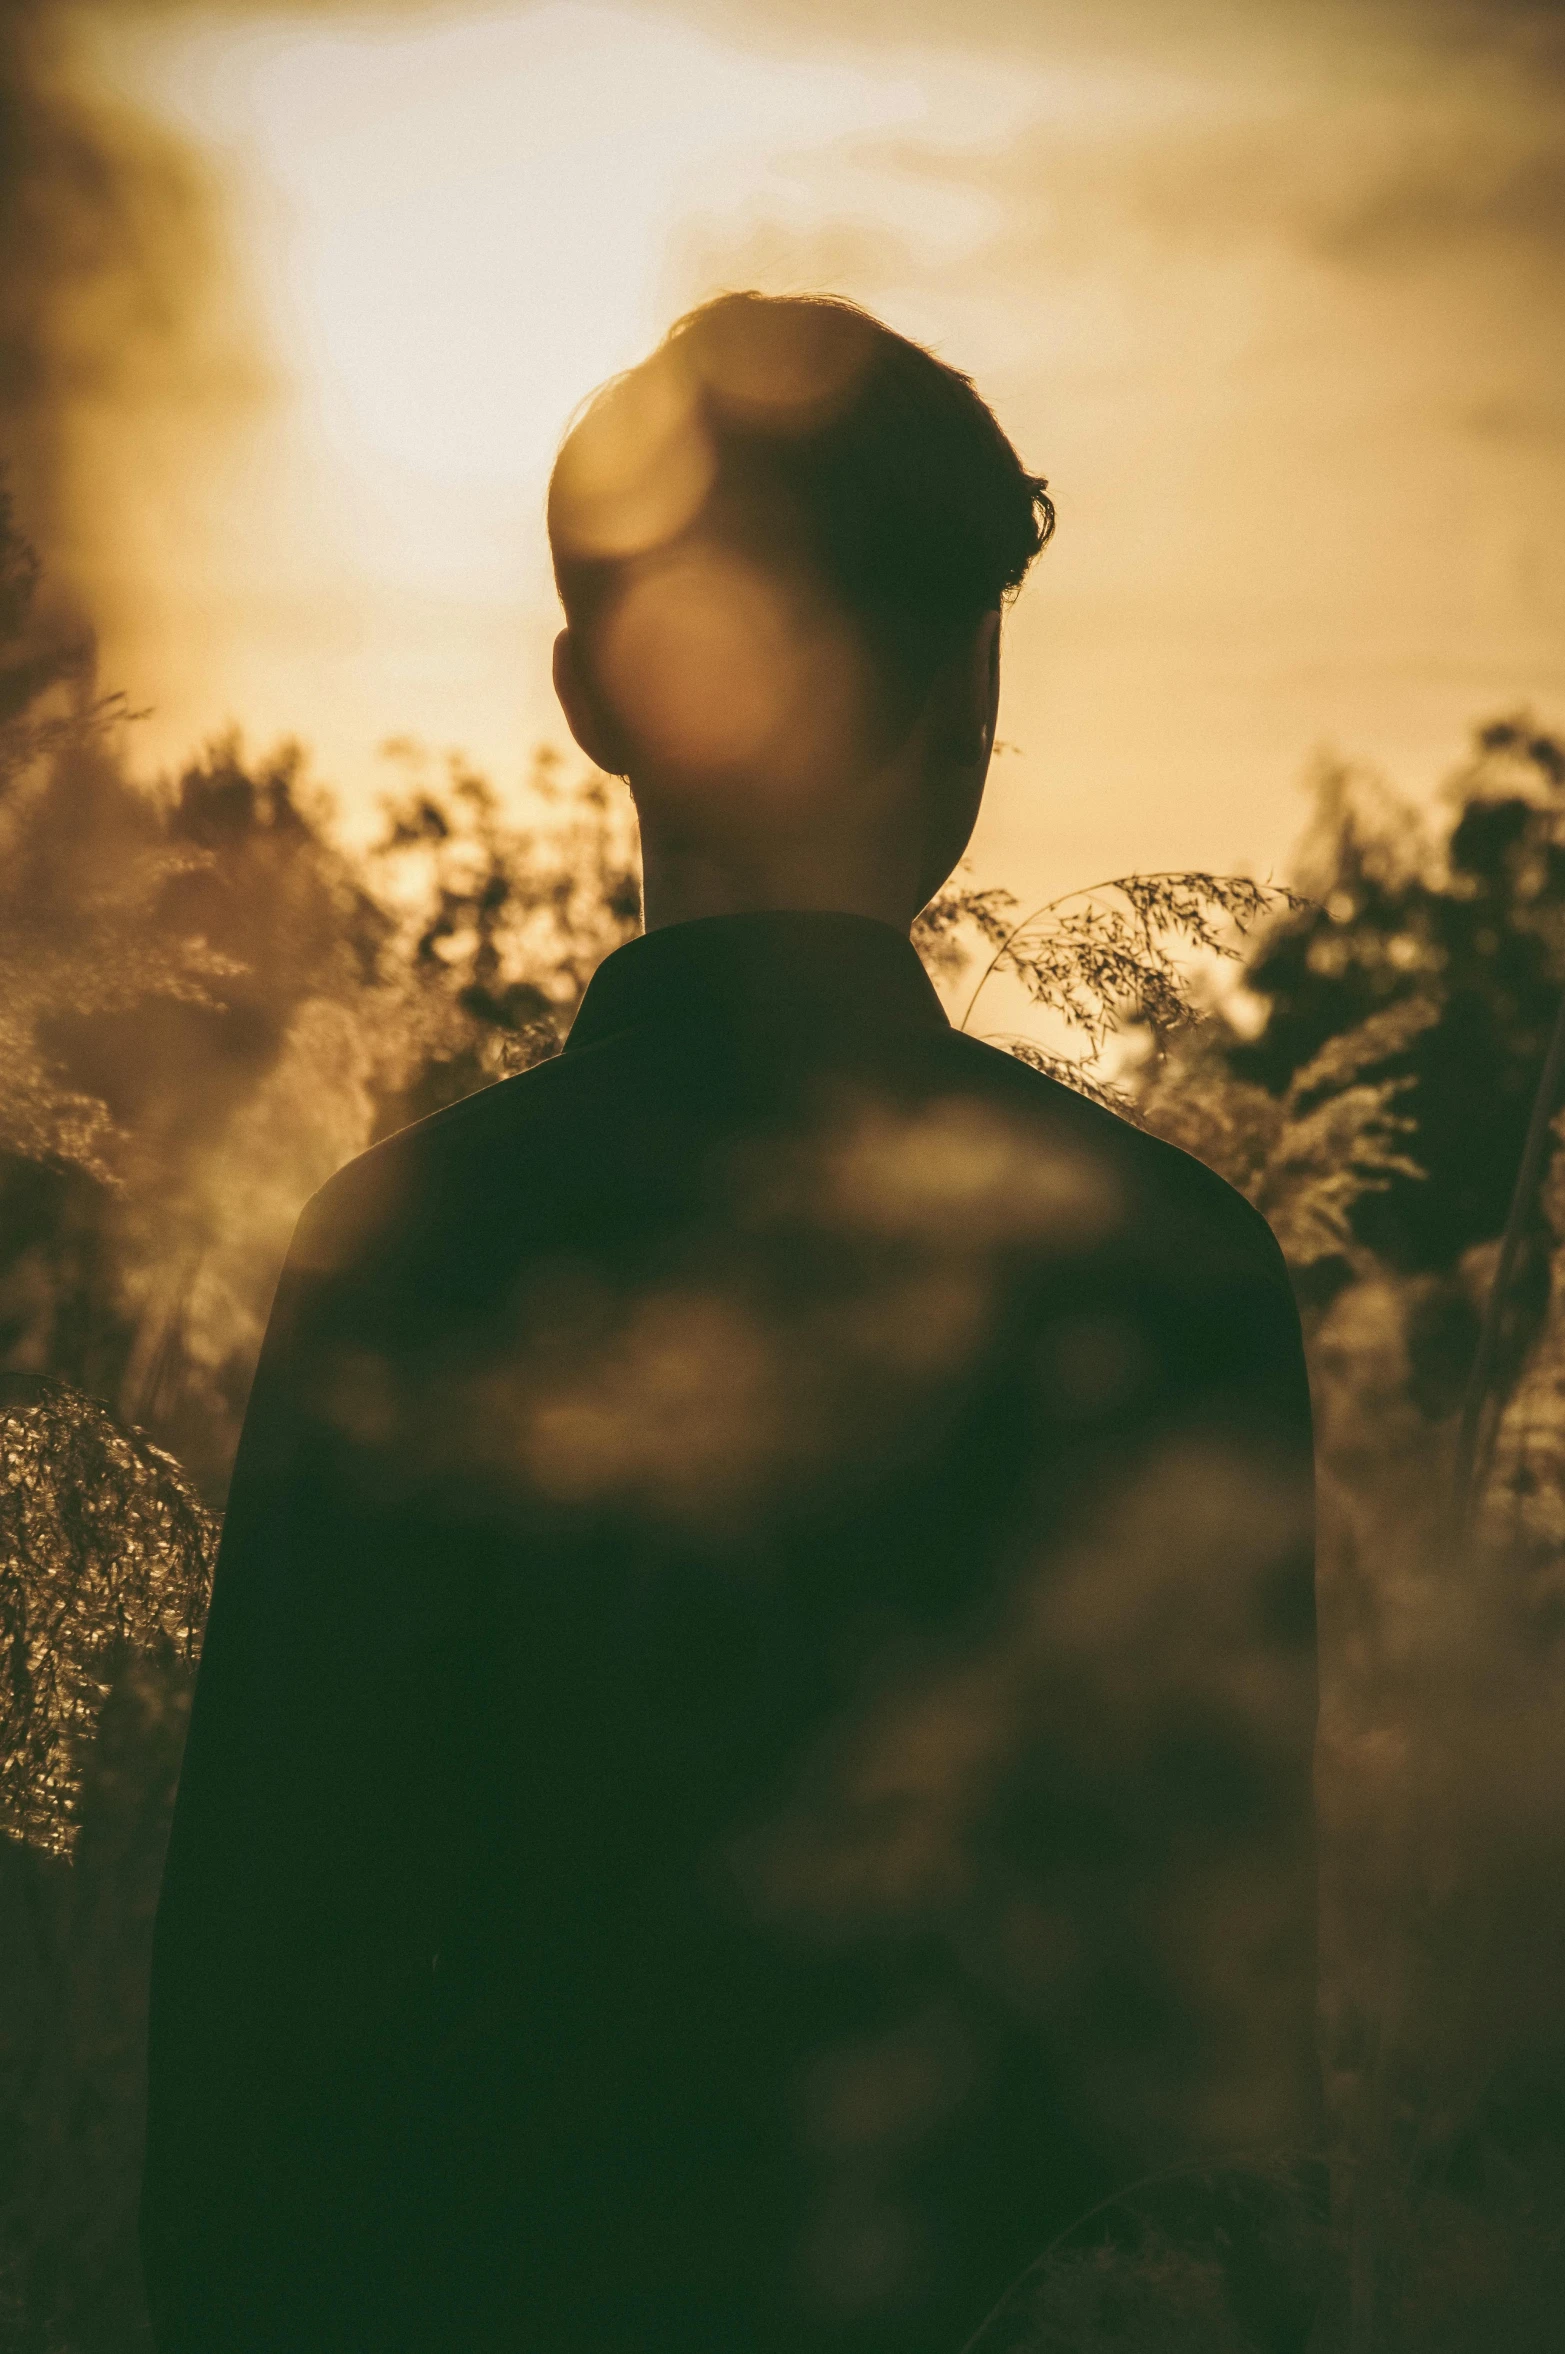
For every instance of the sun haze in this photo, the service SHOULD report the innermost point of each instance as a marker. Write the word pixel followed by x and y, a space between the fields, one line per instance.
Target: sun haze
pixel 1266 293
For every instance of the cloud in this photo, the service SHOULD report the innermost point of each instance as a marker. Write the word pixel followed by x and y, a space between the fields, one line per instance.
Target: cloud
pixel 1515 417
pixel 1352 182
pixel 1464 191
pixel 1370 140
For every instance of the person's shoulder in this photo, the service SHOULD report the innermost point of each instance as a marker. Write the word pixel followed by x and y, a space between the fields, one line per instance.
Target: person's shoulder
pixel 370 1192
pixel 1179 1195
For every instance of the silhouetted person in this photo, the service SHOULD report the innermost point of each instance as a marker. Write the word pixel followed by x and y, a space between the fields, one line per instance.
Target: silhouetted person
pixel 752 1757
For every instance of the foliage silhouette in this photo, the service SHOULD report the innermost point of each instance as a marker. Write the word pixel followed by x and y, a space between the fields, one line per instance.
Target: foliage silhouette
pixel 1470 916
pixel 1102 964
pixel 105 1549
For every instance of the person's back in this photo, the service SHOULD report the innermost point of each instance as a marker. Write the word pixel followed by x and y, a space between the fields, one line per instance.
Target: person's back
pixel 752 1757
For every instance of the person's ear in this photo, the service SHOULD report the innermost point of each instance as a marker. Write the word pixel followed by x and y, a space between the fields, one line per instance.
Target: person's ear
pixel 965 704
pixel 986 684
pixel 955 776
pixel 588 723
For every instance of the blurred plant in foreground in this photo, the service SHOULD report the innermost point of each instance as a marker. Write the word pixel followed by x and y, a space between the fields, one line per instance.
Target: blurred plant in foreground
pixel 105 1557
pixel 105 1550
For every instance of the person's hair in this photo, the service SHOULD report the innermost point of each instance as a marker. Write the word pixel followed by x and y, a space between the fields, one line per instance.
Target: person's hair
pixel 801 433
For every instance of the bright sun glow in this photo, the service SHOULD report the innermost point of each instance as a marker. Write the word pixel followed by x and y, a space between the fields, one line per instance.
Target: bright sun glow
pixel 447 230
pixel 442 229
pixel 484 214
pixel 481 220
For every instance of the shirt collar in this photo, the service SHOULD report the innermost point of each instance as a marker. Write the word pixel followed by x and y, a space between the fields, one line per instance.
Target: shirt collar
pixel 778 968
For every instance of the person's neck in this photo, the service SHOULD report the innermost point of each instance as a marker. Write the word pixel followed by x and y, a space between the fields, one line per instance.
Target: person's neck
pixel 680 883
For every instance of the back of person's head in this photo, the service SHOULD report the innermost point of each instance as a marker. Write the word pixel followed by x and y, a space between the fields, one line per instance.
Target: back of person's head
pixel 770 536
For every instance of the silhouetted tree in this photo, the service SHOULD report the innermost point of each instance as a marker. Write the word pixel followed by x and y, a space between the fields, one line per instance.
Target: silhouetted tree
pixel 1468 914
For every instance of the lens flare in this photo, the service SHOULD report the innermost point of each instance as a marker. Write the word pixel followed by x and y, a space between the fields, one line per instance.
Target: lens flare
pixel 784 370
pixel 636 470
pixel 704 650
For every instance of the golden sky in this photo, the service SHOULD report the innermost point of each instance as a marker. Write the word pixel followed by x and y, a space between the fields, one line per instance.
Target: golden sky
pixel 1271 294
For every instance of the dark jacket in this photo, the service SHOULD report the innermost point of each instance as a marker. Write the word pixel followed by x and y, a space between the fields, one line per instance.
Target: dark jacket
pixel 752 1756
